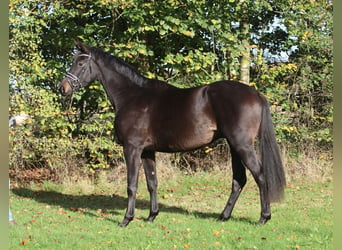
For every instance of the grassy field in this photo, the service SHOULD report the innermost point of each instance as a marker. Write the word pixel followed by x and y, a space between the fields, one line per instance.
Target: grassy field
pixel 86 216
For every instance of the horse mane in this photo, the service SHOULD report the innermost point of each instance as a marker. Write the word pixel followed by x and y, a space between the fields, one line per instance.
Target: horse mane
pixel 127 70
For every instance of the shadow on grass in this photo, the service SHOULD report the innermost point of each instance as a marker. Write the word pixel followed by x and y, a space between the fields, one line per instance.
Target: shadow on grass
pixel 107 203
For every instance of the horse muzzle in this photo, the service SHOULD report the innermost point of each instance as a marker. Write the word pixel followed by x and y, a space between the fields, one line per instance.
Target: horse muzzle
pixel 65 88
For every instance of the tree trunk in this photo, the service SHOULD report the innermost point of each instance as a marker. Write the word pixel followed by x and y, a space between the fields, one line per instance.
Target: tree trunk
pixel 245 39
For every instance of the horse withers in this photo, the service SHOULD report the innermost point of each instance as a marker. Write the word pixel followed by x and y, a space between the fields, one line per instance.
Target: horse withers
pixel 152 116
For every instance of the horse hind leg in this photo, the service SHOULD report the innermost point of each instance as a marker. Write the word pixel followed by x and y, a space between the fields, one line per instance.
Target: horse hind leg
pixel 239 181
pixel 250 160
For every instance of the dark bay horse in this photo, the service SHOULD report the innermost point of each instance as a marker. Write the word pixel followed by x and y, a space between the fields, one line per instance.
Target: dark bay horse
pixel 154 116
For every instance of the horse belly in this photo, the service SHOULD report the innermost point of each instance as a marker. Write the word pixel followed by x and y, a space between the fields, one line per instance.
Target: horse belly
pixel 183 121
pixel 185 138
pixel 199 139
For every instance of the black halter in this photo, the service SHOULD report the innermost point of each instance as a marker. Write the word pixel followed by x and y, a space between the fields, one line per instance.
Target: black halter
pixel 74 80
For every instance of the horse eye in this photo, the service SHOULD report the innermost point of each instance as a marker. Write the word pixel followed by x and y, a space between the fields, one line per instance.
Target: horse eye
pixel 80 64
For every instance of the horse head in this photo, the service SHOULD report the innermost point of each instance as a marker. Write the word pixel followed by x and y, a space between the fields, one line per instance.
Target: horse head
pixel 81 72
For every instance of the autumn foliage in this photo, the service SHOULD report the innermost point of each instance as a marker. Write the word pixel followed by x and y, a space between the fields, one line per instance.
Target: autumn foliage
pixel 186 43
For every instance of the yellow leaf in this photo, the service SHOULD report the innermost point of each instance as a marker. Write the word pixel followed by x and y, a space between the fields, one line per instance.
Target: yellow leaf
pixel 142 51
pixel 216 233
pixel 188 33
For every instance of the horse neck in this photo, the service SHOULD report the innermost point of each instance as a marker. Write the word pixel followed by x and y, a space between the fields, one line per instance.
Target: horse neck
pixel 120 82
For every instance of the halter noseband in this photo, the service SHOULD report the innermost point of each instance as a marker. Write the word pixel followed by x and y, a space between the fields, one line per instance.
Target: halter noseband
pixel 74 80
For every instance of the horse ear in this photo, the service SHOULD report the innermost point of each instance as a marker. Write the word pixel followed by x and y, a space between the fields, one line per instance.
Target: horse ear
pixel 81 47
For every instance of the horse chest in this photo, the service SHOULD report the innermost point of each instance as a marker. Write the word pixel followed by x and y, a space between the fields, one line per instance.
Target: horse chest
pixel 133 127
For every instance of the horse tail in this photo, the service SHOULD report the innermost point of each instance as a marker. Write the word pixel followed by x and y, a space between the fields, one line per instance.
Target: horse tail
pixel 272 166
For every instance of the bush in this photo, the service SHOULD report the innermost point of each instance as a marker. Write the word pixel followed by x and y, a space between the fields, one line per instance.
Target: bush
pixel 186 44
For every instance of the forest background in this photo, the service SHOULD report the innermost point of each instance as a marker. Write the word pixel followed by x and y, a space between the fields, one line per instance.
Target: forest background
pixel 281 48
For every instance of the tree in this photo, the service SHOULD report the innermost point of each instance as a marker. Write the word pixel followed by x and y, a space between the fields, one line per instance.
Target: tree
pixel 187 43
pixel 301 87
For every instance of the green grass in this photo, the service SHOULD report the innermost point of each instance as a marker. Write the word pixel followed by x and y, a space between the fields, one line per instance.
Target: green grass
pixel 53 216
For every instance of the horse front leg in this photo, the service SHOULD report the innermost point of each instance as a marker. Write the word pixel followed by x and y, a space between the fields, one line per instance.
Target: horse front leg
pixel 132 157
pixel 148 159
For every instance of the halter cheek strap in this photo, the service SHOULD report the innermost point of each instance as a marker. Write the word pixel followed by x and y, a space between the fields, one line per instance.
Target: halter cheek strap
pixel 74 80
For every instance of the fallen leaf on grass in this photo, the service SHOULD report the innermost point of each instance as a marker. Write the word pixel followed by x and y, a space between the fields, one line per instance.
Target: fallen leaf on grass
pixel 28 238
pixel 216 233
pixel 23 242
pixel 62 211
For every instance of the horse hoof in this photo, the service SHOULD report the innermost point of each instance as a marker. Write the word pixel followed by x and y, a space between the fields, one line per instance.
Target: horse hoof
pixel 263 220
pixel 125 222
pixel 223 218
pixel 152 216
pixel 151 219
